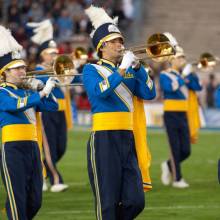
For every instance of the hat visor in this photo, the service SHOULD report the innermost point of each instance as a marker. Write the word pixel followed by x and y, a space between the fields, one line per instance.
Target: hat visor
pixel 17 64
pixel 109 37
pixel 13 64
pixel 50 50
pixel 114 36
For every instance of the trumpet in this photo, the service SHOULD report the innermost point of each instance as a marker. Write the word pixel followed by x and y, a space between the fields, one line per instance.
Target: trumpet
pixel 158 48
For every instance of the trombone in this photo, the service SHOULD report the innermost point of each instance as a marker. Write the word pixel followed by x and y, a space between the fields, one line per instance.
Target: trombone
pixel 63 67
pixel 206 60
pixel 158 48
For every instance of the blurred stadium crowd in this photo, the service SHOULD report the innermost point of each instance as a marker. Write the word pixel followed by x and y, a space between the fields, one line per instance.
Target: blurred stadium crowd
pixel 71 28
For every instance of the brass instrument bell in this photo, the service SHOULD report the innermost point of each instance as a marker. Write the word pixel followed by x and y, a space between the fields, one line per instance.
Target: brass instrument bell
pixel 159 47
pixel 80 53
pixel 206 60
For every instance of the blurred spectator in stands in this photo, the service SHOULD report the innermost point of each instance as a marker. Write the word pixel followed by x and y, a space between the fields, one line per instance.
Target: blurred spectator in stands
pixel 14 13
pixel 56 9
pixel 65 47
pixel 83 102
pixel 128 9
pixel 210 91
pixel 25 8
pixel 36 12
pixel 65 25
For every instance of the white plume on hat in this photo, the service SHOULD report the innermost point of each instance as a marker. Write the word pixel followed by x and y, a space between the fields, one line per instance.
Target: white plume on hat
pixel 171 38
pixel 43 31
pixel 8 43
pixel 98 16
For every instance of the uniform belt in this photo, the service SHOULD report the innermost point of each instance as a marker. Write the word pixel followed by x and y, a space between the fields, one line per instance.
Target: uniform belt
pixel 19 132
pixel 175 105
pixel 112 121
pixel 61 104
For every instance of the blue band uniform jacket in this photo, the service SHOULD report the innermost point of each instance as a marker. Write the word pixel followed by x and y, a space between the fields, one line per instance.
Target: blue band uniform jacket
pixel 114 106
pixel 17 112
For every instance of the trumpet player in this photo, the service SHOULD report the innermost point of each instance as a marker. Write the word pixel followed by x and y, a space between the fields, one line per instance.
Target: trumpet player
pixel 111 84
pixel 176 83
pixel 21 165
pixel 55 124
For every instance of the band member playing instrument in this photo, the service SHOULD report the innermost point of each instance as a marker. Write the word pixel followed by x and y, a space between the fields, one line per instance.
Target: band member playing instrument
pixel 115 91
pixel 21 166
pixel 55 124
pixel 176 85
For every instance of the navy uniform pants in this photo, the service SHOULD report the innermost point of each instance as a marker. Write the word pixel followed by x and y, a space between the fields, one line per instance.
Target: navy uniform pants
pixel 179 139
pixel 114 175
pixel 56 132
pixel 22 176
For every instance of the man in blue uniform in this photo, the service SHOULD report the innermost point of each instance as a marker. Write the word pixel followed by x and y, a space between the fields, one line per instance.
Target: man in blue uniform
pixel 21 166
pixel 55 124
pixel 111 85
pixel 175 88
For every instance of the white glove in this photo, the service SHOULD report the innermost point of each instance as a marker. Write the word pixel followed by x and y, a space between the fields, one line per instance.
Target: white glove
pixel 128 60
pixel 187 70
pixel 35 84
pixel 50 84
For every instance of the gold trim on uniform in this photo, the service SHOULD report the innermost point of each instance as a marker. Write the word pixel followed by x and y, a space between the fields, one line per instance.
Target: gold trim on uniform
pixel 9 188
pixel 112 121
pixel 19 132
pixel 96 183
pixel 5 84
pixel 106 61
pixel 175 105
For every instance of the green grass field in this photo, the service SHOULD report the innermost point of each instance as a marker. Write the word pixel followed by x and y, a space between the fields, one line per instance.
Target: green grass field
pixel 200 202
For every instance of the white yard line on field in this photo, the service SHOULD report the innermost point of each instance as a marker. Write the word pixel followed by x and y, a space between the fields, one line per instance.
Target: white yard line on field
pixel 148 208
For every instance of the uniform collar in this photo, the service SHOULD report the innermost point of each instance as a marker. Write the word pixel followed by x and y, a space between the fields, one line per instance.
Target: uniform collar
pixel 5 84
pixel 175 72
pixel 106 62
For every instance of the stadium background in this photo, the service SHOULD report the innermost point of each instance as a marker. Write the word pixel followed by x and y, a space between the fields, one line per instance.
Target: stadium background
pixel 196 26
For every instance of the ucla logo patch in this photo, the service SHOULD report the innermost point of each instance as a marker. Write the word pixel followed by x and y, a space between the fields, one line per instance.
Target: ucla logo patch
pixel 113 28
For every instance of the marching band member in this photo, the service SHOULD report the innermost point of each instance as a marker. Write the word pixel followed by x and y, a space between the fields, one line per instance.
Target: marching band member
pixel 178 87
pixel 115 90
pixel 21 166
pixel 55 124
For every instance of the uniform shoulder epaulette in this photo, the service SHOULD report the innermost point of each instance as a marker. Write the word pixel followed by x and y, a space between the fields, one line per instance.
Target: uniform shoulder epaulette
pixel 99 62
pixel 3 85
